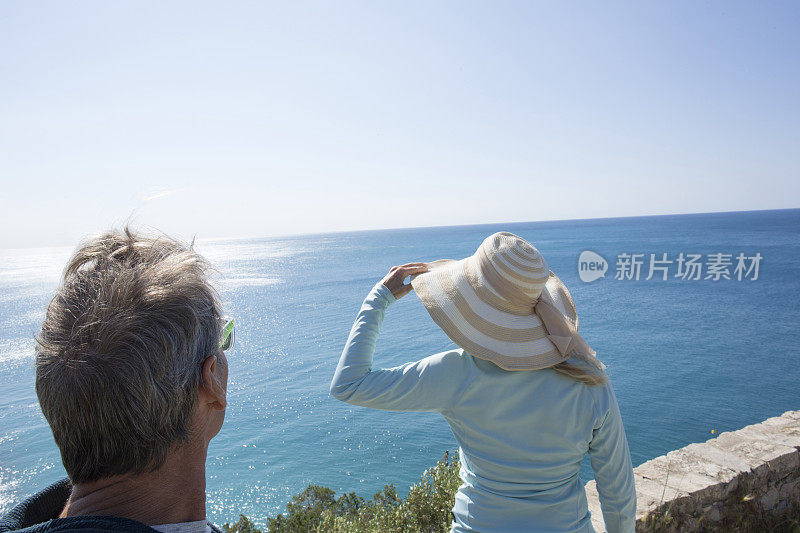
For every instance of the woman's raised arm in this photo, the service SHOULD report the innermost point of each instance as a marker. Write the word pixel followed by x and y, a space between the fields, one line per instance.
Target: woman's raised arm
pixel 431 384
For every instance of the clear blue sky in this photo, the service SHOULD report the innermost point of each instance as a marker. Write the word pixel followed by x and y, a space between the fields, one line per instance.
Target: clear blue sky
pixel 231 119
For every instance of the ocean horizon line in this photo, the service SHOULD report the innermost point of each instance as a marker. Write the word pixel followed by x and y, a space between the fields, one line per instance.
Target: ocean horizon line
pixel 217 239
pixel 519 222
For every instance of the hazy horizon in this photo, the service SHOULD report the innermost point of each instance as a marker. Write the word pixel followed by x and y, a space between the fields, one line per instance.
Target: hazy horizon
pixel 211 239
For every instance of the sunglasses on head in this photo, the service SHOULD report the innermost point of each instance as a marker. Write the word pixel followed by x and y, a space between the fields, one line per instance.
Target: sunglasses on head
pixel 228 333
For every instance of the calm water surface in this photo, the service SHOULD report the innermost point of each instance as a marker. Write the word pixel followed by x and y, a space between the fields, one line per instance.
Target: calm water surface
pixel 685 356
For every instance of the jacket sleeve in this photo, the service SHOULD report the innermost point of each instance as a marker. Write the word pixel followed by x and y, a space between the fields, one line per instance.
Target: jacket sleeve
pixel 431 384
pixel 613 470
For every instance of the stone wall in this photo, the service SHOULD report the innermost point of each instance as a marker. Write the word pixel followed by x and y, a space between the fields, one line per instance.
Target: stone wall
pixel 736 478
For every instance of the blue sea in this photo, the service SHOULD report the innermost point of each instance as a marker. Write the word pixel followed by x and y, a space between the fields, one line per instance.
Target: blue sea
pixel 686 356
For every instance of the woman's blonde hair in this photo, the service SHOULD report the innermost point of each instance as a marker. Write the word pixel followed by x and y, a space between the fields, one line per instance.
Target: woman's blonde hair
pixel 588 375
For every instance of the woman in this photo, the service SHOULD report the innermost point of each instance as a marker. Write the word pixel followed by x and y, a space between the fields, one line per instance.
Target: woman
pixel 525 396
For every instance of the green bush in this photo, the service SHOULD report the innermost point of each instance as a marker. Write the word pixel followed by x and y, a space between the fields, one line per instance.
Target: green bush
pixel 244 525
pixel 426 509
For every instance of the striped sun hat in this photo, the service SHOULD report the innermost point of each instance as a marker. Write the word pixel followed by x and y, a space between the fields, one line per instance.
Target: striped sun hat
pixel 504 304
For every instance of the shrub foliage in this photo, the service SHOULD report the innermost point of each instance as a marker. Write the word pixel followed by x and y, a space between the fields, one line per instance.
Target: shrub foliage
pixel 426 509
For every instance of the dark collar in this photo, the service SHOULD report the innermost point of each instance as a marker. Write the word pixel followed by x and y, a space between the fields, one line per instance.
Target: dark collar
pixel 40 513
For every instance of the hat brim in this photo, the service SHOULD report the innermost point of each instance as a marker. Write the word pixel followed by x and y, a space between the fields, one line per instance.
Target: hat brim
pixel 511 341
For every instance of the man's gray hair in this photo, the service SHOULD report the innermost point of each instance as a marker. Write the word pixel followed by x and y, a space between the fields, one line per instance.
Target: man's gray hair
pixel 119 355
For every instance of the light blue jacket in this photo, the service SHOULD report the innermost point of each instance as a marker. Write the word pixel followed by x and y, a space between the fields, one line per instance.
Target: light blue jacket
pixel 521 434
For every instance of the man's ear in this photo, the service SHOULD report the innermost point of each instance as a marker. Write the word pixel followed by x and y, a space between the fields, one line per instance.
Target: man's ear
pixel 212 391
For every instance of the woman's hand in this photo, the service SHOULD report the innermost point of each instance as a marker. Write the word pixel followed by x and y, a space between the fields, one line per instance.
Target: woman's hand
pixel 394 279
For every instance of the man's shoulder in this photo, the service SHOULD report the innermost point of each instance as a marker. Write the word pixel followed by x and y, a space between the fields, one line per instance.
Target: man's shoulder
pixel 91 524
pixel 87 524
pixel 38 509
pixel 40 514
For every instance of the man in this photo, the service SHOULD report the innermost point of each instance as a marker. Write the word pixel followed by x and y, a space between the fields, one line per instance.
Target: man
pixel 131 375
